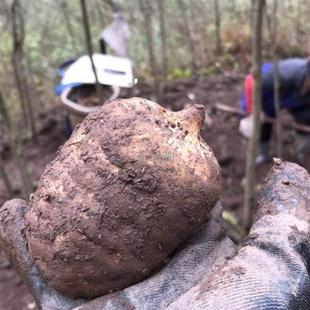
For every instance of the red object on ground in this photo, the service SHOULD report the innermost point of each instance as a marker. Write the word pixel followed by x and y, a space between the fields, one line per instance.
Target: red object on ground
pixel 248 91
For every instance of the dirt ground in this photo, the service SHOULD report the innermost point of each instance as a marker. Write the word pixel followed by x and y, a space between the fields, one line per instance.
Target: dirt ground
pixel 222 135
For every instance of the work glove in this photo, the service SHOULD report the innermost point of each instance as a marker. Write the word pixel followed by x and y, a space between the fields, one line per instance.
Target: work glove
pixel 270 271
pixel 246 126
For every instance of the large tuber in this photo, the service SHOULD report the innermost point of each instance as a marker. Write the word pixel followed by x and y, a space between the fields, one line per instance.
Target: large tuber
pixel 131 184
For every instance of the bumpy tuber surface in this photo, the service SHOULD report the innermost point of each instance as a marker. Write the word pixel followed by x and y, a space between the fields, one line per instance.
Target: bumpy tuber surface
pixel 131 184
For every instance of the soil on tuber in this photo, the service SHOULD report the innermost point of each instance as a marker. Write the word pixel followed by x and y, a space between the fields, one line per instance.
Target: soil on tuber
pixel 132 183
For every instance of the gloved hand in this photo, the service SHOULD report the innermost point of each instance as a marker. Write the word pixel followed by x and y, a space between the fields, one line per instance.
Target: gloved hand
pixel 271 270
pixel 246 126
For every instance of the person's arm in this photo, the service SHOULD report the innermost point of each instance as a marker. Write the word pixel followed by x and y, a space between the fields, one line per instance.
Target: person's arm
pixel 304 92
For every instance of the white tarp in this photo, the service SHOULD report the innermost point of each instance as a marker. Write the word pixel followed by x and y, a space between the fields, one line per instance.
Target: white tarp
pixel 111 70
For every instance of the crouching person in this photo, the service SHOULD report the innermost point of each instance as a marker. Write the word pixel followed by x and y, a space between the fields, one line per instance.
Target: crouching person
pixel 294 78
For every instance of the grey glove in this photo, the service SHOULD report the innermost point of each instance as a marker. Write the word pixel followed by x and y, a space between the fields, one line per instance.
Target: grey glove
pixel 271 270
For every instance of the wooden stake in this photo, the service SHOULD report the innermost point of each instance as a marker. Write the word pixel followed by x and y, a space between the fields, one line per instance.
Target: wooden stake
pixel 90 48
pixel 249 193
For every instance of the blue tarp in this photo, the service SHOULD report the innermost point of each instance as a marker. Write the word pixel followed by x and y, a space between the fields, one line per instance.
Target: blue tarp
pixel 58 89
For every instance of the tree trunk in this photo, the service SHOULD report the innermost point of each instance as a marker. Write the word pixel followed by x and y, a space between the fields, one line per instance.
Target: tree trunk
pixel 257 7
pixel 232 7
pixel 146 10
pixel 22 166
pixel 3 173
pixel 18 35
pixel 218 41
pixel 90 47
pixel 5 179
pixel 15 144
pixel 101 10
pixel 163 39
pixel 187 32
pixel 64 7
pixel 268 20
pixel 276 80
pixel 5 12
pixel 298 22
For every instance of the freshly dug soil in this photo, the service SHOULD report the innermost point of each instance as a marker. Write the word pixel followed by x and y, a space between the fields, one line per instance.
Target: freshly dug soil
pixel 132 182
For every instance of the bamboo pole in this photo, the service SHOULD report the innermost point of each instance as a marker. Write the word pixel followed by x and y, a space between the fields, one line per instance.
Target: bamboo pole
pixel 18 37
pixel 184 9
pixel 5 179
pixel 90 48
pixel 217 15
pixel 276 81
pixel 163 39
pixel 249 194
pixel 16 147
